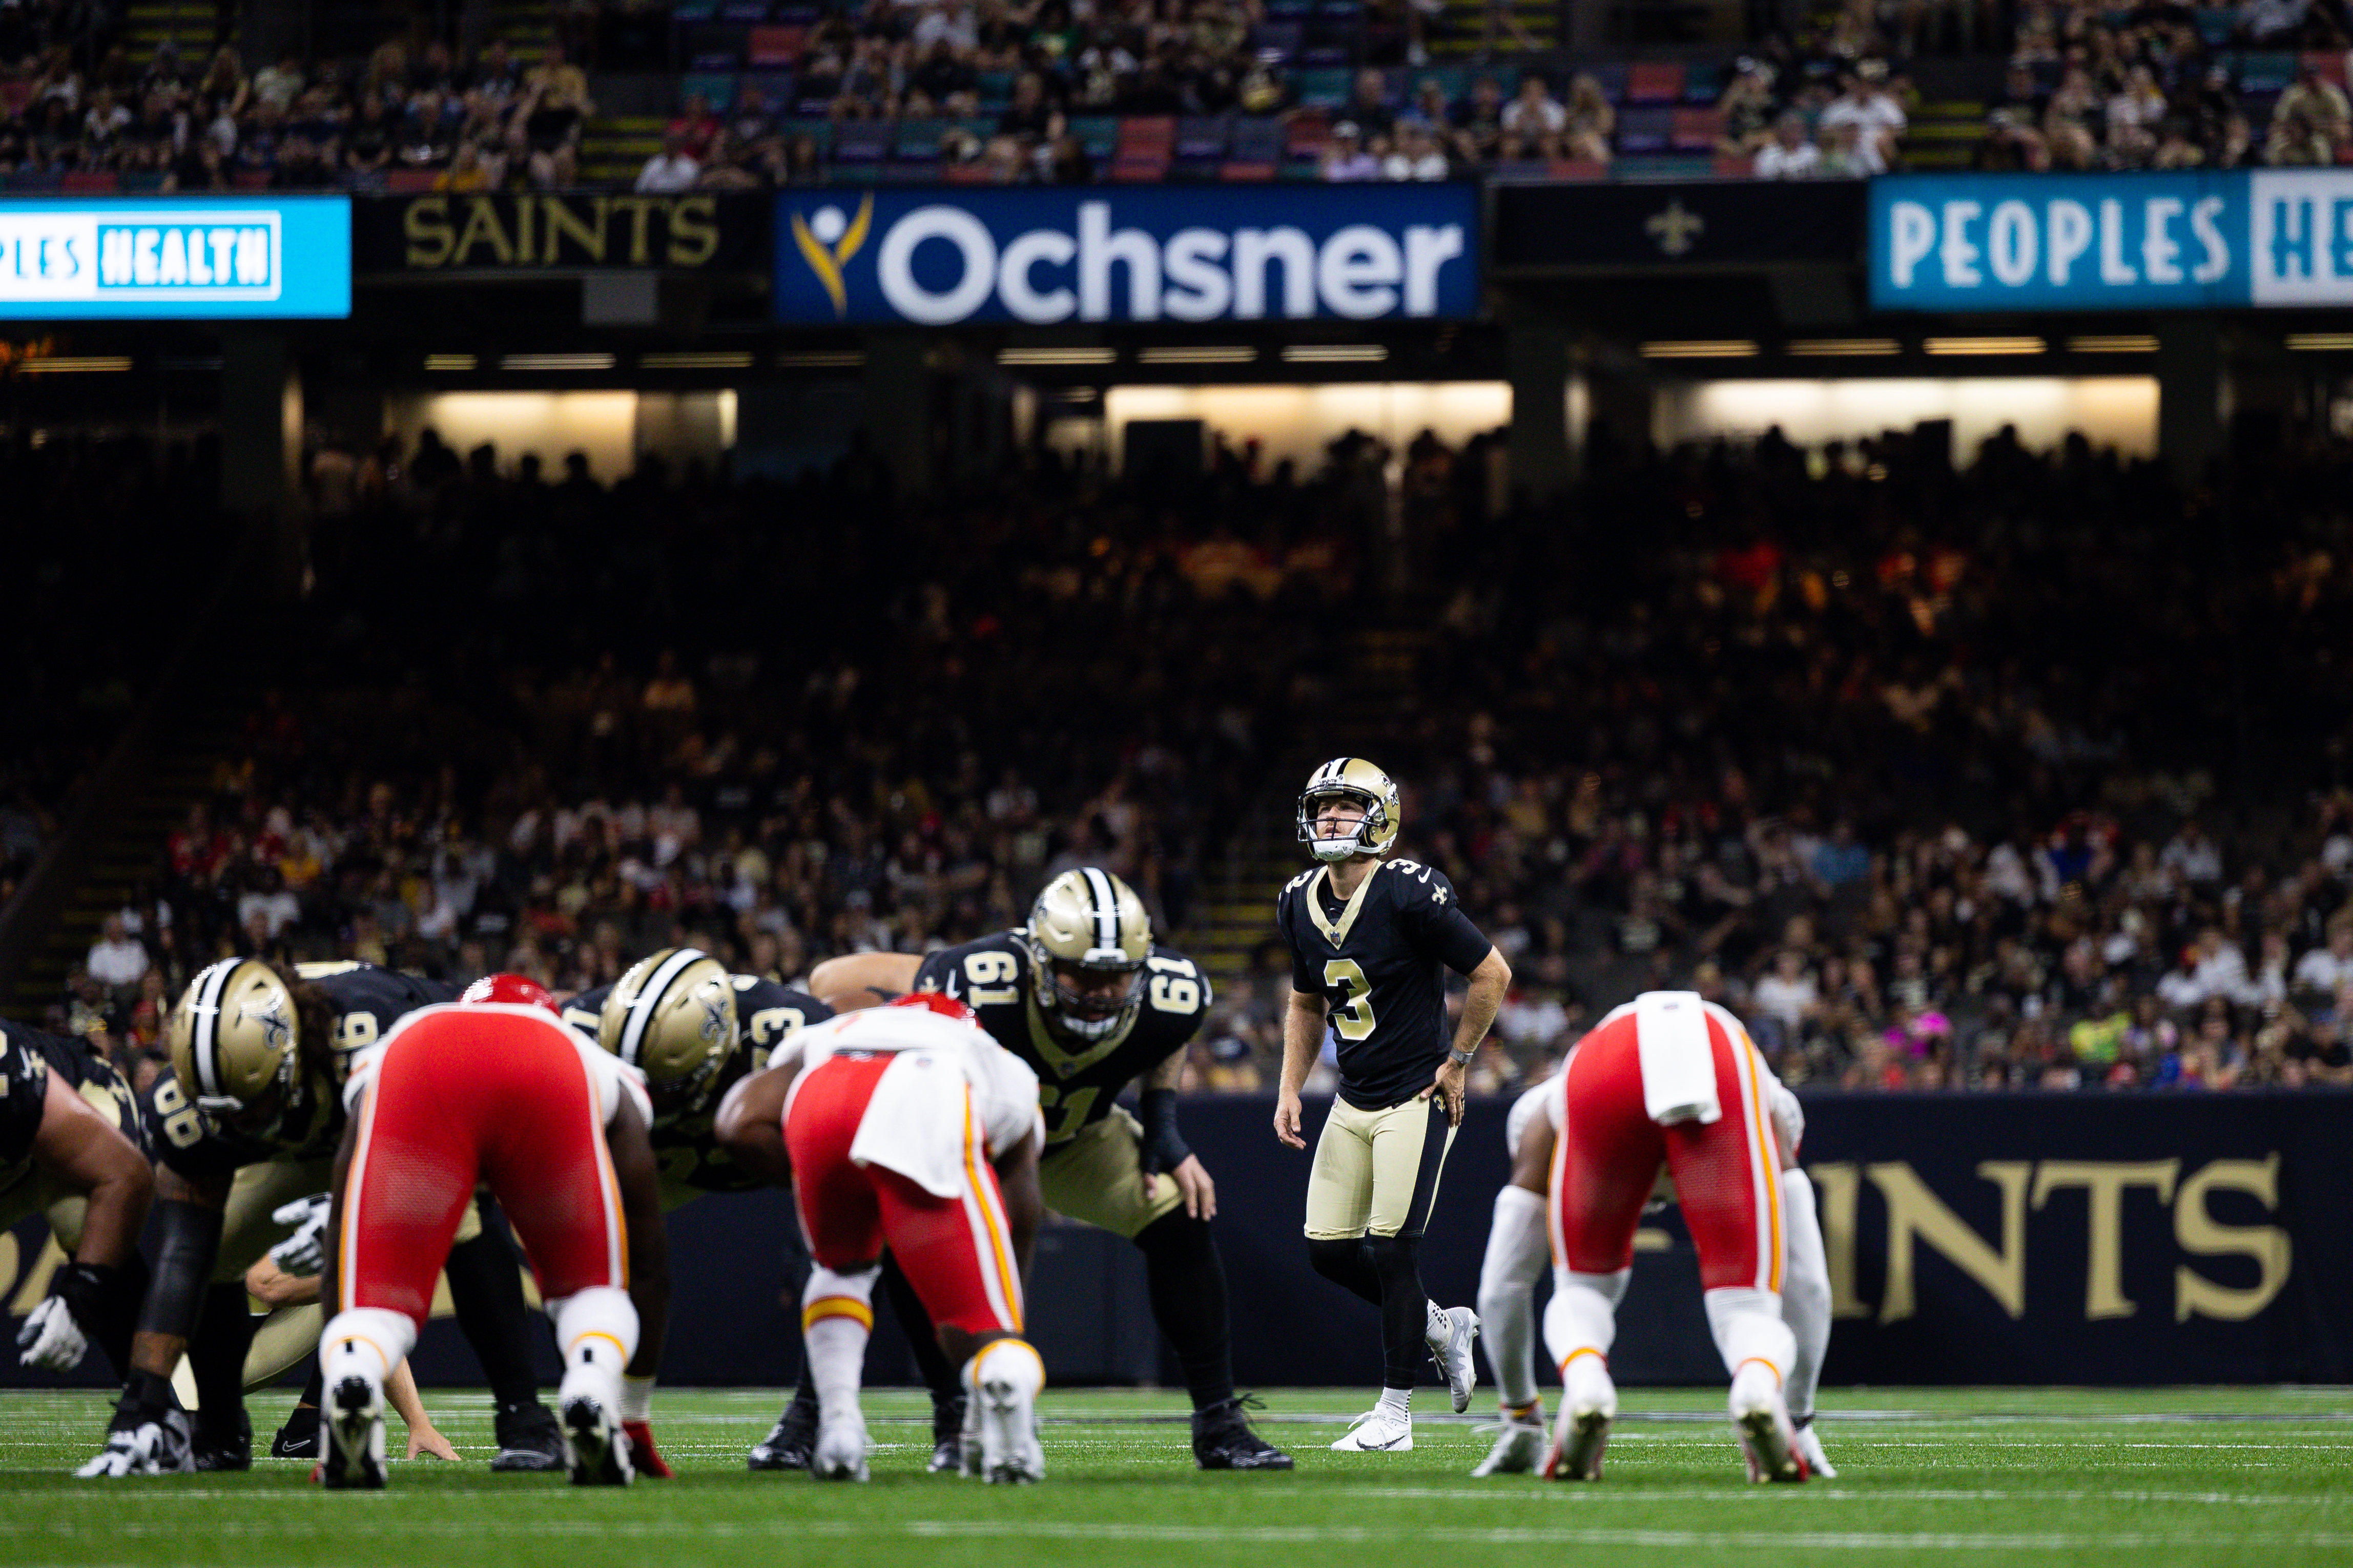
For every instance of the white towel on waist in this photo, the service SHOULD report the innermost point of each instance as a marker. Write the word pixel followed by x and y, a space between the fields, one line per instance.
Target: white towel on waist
pixel 916 1123
pixel 1678 1063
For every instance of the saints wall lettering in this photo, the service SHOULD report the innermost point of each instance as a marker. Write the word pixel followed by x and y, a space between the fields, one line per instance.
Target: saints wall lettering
pixel 560 232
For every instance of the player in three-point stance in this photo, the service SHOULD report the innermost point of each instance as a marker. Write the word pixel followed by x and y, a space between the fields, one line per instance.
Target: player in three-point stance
pixel 1519 1246
pixel 492 1090
pixel 1369 941
pixel 1670 1079
pixel 906 1127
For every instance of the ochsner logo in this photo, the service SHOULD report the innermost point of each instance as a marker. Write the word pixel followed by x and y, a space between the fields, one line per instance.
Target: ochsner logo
pixel 1195 274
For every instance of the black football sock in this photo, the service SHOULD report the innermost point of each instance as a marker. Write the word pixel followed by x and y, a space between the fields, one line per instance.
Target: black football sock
pixel 1404 1308
pixel 313 1391
pixel 119 1314
pixel 486 1290
pixel 1187 1282
pixel 1345 1264
pixel 922 1338
pixel 216 1356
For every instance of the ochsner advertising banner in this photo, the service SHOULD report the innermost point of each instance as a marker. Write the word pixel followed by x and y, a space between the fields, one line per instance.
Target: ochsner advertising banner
pixel 1043 256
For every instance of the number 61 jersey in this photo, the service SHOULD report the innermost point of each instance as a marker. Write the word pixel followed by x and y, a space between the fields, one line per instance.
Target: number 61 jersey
pixel 1078 1080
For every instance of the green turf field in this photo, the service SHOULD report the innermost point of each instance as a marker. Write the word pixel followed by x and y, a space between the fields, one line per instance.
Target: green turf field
pixel 2151 1478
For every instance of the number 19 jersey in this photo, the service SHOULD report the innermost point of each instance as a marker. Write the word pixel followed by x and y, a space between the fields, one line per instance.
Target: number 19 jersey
pixel 1378 958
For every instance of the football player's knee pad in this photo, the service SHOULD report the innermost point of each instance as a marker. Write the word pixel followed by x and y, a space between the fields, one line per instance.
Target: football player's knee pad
pixel 831 1295
pixel 1518 1246
pixel 1747 1326
pixel 1340 1258
pixel 596 1325
pixel 1583 1312
pixel 365 1341
pixel 1388 1254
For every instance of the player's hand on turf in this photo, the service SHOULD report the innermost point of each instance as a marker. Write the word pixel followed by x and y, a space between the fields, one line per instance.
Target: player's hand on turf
pixel 1447 1084
pixel 1286 1120
pixel 1192 1179
pixel 428 1441
pixel 643 1452
pixel 304 1252
pixel 50 1337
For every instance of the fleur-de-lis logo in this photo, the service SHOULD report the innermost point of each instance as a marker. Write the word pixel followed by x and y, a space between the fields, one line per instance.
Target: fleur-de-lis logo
pixel 271 1015
pixel 714 1020
pixel 828 240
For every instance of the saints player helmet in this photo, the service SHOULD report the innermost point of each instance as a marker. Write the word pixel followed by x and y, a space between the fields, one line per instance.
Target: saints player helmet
pixel 1089 937
pixel 1357 781
pixel 673 1017
pixel 234 1038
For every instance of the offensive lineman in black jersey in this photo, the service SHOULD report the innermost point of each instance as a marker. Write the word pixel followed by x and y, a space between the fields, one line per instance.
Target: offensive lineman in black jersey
pixel 247 1122
pixel 70 1148
pixel 1370 941
pixel 1086 996
pixel 695 1030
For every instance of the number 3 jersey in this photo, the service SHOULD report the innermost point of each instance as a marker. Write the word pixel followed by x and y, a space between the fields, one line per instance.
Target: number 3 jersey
pixel 1379 959
pixel 1078 1080
pixel 366 1000
pixel 765 1012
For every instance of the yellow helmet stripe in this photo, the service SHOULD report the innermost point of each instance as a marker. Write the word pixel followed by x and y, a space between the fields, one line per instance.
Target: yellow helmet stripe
pixel 648 1000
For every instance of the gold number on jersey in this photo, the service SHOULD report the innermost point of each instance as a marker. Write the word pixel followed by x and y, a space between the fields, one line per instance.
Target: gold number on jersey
pixel 354 1032
pixel 770 1024
pixel 992 975
pixel 1065 1113
pixel 1176 985
pixel 1352 1016
pixel 183 1123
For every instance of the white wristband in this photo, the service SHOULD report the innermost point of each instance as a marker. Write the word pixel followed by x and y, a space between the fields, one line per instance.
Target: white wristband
pixel 636 1398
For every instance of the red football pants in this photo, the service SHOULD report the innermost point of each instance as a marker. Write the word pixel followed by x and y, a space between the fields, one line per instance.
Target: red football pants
pixel 957 1252
pixel 1726 1173
pixel 463 1098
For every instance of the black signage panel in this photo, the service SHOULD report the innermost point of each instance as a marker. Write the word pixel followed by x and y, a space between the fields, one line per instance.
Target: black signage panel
pixel 1584 227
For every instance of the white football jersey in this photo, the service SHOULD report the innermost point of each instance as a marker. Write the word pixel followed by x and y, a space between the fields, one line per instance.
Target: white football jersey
pixel 1542 1098
pixel 613 1076
pixel 1004 1086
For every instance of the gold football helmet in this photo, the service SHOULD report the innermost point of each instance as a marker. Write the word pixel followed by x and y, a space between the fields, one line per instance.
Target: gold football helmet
pixel 1356 780
pixel 1088 930
pixel 673 1017
pixel 235 1038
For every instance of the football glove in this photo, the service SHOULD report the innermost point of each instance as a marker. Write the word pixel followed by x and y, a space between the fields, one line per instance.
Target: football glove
pixel 55 1334
pixel 149 1435
pixel 304 1252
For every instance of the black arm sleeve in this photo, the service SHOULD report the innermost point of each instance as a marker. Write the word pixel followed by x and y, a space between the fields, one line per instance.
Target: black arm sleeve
pixel 1164 1147
pixel 184 1264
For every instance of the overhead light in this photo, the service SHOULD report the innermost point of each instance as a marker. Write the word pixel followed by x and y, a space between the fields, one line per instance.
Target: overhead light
pixel 70 364
pixel 556 362
pixel 1986 345
pixel 1056 356
pixel 1703 348
pixel 2303 343
pixel 1336 354
pixel 1844 348
pixel 1234 354
pixel 820 359
pixel 697 359
pixel 2123 343
pixel 449 362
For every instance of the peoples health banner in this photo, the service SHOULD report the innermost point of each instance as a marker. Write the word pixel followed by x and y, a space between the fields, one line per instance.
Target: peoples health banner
pixel 2039 242
pixel 935 258
pixel 190 256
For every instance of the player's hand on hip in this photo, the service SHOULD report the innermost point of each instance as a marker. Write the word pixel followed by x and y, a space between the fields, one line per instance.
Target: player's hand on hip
pixel 1193 1184
pixel 1447 1084
pixel 1286 1120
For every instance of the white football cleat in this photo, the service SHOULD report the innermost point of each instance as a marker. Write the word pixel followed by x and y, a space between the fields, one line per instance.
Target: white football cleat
pixel 1010 1451
pixel 596 1449
pixel 840 1451
pixel 1589 1405
pixel 1519 1448
pixel 1810 1449
pixel 1768 1440
pixel 353 1419
pixel 1377 1431
pixel 1452 1355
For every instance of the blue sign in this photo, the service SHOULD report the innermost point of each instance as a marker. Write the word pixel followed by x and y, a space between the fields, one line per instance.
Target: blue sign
pixel 2024 242
pixel 201 258
pixel 935 258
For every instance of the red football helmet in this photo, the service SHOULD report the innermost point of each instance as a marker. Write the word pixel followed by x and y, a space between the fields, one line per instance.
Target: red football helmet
pixel 516 990
pixel 939 1002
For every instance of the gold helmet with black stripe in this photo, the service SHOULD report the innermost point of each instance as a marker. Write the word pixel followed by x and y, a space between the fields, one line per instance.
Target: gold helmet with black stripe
pixel 1088 936
pixel 236 1041
pixel 673 1017
pixel 1357 781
